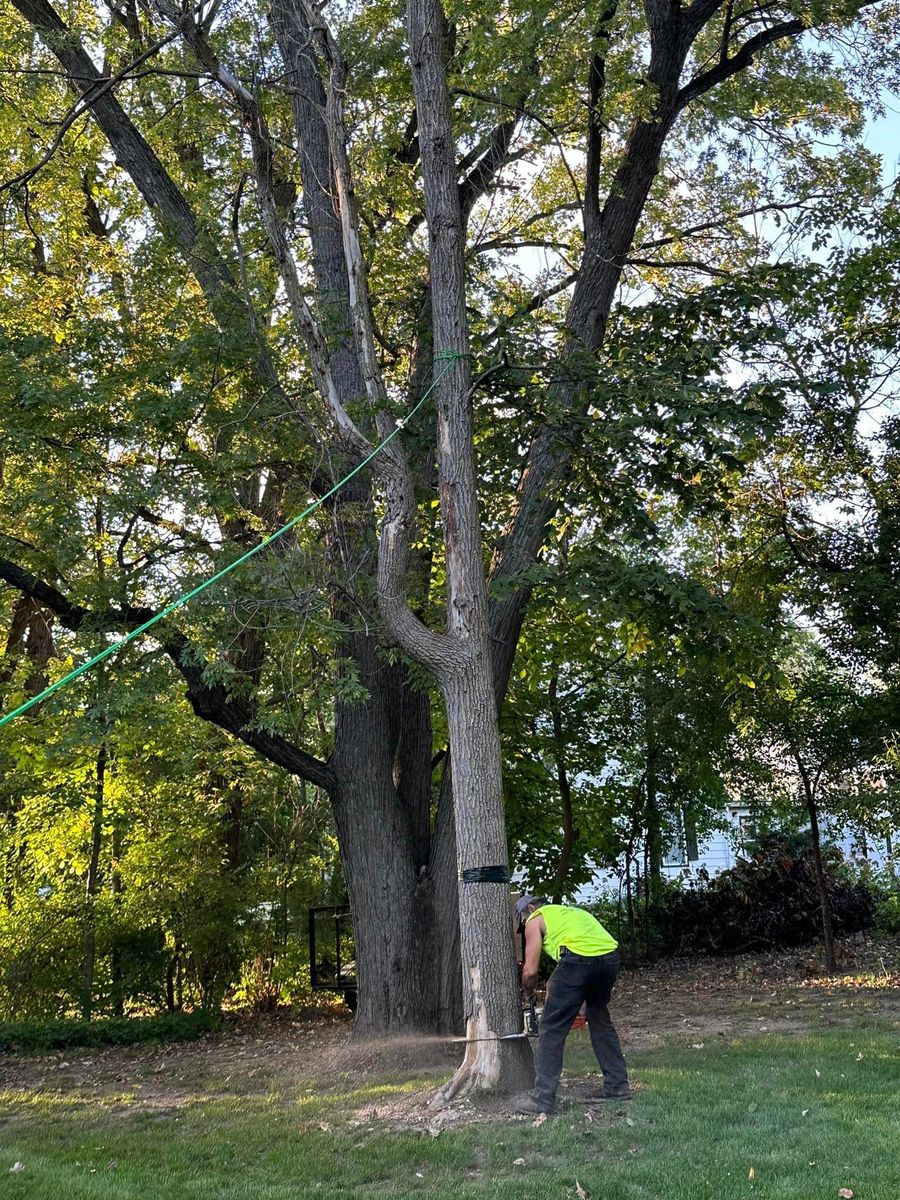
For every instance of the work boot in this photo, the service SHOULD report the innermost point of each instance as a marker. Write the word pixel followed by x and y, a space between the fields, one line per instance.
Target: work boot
pixel 527 1104
pixel 605 1093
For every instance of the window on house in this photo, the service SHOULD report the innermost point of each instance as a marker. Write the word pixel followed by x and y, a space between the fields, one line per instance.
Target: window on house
pixel 674 856
pixel 747 828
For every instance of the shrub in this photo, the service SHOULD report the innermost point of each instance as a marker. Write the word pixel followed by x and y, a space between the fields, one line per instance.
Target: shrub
pixel 38 1037
pixel 40 960
pixel 885 886
pixel 887 913
pixel 768 902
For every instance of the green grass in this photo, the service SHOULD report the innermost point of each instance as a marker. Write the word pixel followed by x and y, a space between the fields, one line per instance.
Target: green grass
pixel 703 1118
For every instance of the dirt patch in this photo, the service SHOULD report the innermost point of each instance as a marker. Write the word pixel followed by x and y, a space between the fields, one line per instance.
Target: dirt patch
pixel 781 992
pixel 413 1113
pixel 681 1000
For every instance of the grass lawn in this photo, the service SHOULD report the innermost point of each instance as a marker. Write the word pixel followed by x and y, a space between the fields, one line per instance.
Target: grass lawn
pixel 796 1116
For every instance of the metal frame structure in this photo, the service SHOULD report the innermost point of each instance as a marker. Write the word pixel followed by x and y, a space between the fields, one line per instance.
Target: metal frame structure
pixel 340 982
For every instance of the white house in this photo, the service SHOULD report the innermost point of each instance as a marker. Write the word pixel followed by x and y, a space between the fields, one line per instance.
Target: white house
pixel 723 848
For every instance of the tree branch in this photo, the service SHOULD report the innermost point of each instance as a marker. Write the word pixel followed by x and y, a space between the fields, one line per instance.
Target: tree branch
pixel 142 165
pixel 212 702
pixel 727 67
pixel 94 90
pixel 703 227
pixel 357 276
pixel 263 152
pixel 537 301
pixel 435 651
pixel 596 88
pixel 681 264
pixel 494 157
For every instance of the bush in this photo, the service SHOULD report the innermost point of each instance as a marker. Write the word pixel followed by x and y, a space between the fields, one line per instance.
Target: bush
pixel 39 976
pixel 886 888
pixel 769 902
pixel 887 913
pixel 38 1037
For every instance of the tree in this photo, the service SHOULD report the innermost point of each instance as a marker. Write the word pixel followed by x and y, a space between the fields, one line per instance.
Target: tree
pixel 816 728
pixel 364 347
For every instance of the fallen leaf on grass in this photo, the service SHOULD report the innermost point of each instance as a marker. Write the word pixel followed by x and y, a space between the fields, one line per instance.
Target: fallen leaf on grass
pixel 325 1127
pixel 589 1116
pixel 16 1167
pixel 580 1192
pixel 751 1174
pixel 518 1162
pixel 539 1120
pixel 845 1193
pixel 805 1112
pixel 818 1074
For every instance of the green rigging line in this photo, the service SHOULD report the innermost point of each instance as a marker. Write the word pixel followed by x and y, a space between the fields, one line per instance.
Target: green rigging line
pixel 449 358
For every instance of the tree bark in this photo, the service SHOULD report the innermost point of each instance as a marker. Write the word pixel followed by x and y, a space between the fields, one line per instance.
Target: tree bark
pixel 491 985
pixel 812 810
pixel 463 667
pixel 565 793
pixel 389 891
pixel 31 635
pixel 90 930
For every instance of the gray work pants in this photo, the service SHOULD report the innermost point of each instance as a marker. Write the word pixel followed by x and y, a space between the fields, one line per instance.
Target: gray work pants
pixel 578 980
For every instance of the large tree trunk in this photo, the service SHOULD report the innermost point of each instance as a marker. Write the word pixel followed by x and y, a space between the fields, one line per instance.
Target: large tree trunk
pixel 401 878
pixel 490 976
pixel 383 851
pixel 461 659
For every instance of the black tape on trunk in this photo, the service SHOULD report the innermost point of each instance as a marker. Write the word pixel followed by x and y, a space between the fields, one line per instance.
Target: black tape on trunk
pixel 499 874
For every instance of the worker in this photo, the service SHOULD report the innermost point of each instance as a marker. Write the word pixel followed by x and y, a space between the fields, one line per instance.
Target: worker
pixel 587 964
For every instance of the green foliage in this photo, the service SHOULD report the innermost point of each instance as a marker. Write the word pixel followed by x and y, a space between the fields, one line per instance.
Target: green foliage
pixel 32 1037
pixel 887 912
pixel 884 884
pixel 140 451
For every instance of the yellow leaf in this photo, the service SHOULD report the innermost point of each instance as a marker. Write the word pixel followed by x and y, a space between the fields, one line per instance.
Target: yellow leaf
pixel 751 1174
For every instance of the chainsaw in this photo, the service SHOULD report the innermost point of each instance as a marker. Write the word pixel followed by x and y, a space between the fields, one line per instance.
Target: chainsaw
pixel 529 1018
pixel 529 1027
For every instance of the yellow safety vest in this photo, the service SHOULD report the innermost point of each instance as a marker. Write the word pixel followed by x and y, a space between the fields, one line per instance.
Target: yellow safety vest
pixel 575 929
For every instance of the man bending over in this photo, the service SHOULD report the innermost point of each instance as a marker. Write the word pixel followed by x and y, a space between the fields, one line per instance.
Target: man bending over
pixel 587 964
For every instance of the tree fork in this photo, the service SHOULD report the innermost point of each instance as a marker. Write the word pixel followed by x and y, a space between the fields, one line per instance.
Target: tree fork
pixel 461 659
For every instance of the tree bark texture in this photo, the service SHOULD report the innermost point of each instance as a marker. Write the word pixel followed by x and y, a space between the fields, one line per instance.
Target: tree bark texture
pixel 91 886
pixel 812 810
pixel 466 675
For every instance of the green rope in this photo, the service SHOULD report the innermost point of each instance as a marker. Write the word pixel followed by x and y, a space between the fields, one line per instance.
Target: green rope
pixel 448 357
